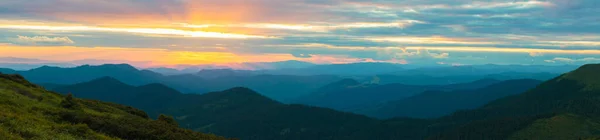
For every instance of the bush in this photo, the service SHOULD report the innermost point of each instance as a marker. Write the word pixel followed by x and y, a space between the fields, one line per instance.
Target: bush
pixel 167 119
pixel 80 130
pixel 69 102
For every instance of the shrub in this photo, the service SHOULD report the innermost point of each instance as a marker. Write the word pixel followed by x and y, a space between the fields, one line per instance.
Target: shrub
pixel 69 102
pixel 167 119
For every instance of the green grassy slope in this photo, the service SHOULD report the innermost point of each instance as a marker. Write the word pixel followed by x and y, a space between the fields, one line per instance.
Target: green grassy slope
pixel 559 127
pixel 28 111
pixel 566 107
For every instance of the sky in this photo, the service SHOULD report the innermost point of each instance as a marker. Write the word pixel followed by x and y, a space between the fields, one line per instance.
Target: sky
pixel 153 33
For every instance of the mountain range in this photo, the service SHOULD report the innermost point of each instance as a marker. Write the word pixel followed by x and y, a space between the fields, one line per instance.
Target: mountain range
pixel 350 95
pixel 256 116
pixel 59 75
pixel 299 81
pixel 487 69
pixel 455 79
pixel 370 69
pixel 565 107
pixel 270 85
pixel 256 66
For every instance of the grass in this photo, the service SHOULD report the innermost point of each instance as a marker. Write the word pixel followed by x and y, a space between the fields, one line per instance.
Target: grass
pixel 28 111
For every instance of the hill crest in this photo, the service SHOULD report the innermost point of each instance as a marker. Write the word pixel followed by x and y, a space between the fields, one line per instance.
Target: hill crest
pixel 588 75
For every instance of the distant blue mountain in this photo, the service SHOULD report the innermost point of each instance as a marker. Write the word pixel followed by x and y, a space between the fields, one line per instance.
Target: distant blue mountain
pixel 257 67
pixel 342 69
pixel 167 71
pixel 422 79
pixel 26 66
pixel 290 64
pixel 58 75
pixel 281 84
pixel 279 87
pixel 349 95
pixel 370 69
pixel 217 73
pixel 488 69
pixel 7 71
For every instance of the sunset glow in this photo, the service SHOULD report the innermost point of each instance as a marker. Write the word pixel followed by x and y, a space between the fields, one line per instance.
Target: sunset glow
pixel 152 31
pixel 172 32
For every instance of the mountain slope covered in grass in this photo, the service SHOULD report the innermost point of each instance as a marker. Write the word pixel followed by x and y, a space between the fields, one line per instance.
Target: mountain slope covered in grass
pixel 566 107
pixel 28 111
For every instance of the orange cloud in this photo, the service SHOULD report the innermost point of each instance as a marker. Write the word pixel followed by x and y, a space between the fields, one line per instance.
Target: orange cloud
pixel 220 12
pixel 143 31
pixel 158 57
pixel 169 11
pixel 311 27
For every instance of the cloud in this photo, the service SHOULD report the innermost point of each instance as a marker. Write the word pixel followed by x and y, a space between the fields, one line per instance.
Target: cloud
pixel 301 55
pixel 439 55
pixel 41 40
pixel 572 43
pixel 535 54
pixel 424 53
pixel 571 60
pixel 146 31
pixel 404 53
pixel 550 61
pixel 157 57
pixel 314 27
pixel 432 40
pixel 21 60
pixel 509 50
pixel 425 31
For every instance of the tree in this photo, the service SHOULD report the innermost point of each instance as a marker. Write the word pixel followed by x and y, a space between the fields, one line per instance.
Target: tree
pixel 167 119
pixel 69 102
